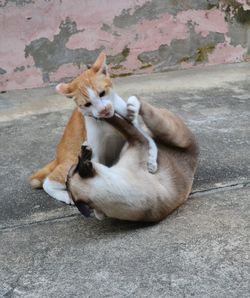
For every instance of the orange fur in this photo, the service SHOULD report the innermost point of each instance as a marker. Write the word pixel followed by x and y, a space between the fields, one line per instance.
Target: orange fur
pixel 67 152
pixel 92 78
pixel 74 135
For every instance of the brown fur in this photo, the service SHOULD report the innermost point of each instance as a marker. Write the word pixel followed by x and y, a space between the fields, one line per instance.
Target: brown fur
pixel 126 190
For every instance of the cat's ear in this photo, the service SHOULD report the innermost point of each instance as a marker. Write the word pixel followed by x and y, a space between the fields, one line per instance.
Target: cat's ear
pixel 100 65
pixel 64 89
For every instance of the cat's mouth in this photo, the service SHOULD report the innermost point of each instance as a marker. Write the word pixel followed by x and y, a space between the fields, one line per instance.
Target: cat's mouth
pixel 106 115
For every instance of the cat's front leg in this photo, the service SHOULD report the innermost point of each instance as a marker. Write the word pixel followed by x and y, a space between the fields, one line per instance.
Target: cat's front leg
pixel 86 170
pixel 133 108
pixel 85 166
pixel 152 164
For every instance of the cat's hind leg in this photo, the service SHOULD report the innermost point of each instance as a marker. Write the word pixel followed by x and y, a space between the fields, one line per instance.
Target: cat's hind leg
pixel 167 127
pixel 54 185
pixel 36 181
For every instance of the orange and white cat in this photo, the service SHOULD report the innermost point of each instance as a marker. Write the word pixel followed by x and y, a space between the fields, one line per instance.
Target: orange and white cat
pixel 95 99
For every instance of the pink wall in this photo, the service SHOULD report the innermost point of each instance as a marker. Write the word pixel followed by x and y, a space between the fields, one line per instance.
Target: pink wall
pixel 43 42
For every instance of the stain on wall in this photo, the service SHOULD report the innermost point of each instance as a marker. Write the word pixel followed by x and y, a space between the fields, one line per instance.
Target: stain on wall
pixel 2 71
pixel 3 3
pixel 49 55
pixel 43 42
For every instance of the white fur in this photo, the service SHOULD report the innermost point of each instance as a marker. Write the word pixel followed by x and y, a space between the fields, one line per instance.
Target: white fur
pixel 57 191
pixel 99 104
pixel 133 107
pixel 116 192
pixel 100 133
pixel 58 88
pixel 106 142
pixel 153 154
pixel 99 215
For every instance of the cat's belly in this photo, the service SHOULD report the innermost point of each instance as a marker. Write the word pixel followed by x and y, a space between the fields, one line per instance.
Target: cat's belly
pixel 105 141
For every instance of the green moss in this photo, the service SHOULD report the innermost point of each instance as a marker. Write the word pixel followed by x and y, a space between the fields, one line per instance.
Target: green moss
pixel 146 66
pixel 235 10
pixel 125 52
pixel 106 28
pixel 119 58
pixel 125 74
pixel 231 3
pixel 202 53
pixel 211 6
pixel 117 67
pixel 242 16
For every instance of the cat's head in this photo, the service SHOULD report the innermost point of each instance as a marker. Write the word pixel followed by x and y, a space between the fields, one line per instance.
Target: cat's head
pixel 91 90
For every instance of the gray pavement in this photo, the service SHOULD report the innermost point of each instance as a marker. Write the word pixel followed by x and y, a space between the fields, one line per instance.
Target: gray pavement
pixel 201 250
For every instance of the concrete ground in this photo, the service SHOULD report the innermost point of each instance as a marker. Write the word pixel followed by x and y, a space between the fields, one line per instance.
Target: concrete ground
pixel 47 249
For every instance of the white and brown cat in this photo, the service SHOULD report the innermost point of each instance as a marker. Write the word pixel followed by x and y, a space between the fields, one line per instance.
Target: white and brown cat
pixel 127 191
pixel 95 99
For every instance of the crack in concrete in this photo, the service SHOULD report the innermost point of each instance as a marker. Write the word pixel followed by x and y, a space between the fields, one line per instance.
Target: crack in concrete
pixel 227 187
pixel 35 222
pixel 221 188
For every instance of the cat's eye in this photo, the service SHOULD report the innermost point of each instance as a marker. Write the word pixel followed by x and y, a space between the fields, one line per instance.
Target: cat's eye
pixel 101 94
pixel 88 104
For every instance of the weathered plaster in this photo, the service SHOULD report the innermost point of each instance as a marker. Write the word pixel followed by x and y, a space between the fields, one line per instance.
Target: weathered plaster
pixel 50 55
pixel 194 50
pixel 2 71
pixel 43 42
pixel 3 3
pixel 153 9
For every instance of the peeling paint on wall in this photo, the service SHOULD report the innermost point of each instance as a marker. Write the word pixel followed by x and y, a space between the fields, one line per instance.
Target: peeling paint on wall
pixel 2 71
pixel 153 9
pixel 53 40
pixel 193 50
pixel 50 55
pixel 3 3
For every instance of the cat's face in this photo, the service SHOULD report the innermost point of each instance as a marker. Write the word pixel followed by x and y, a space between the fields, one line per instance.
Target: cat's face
pixel 91 90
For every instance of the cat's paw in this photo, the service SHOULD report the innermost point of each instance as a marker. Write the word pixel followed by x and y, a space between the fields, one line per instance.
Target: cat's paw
pixel 152 166
pixel 85 167
pixel 57 191
pixel 133 107
pixel 99 215
pixel 86 152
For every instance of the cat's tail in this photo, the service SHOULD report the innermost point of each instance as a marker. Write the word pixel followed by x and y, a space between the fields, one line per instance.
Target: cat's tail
pixel 36 181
